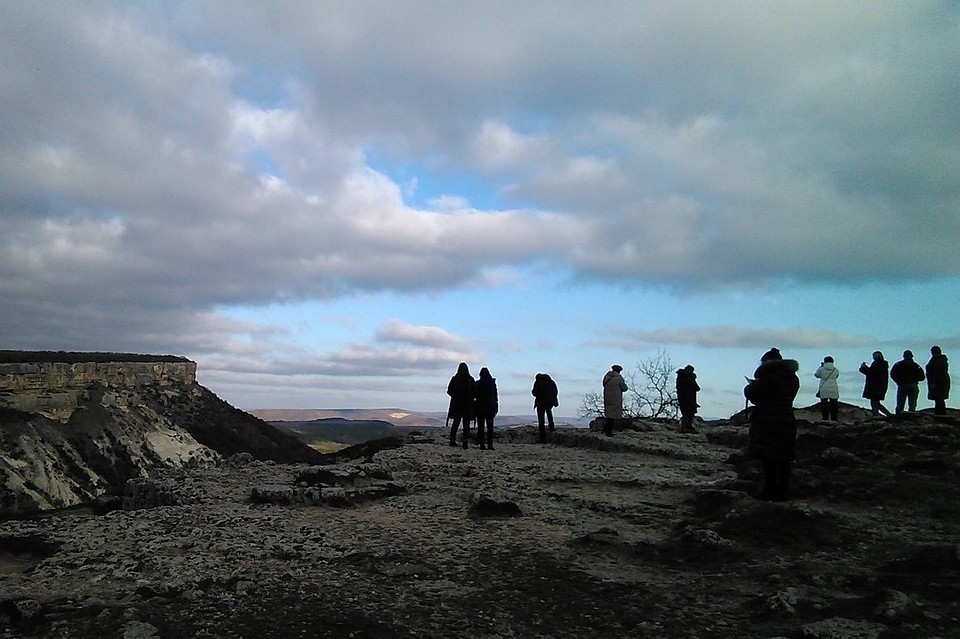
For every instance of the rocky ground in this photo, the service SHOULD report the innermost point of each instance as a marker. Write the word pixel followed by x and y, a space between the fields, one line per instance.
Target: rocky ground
pixel 646 534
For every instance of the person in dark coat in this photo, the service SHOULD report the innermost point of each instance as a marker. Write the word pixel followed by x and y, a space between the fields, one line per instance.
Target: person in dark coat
pixel 773 426
pixel 462 391
pixel 938 380
pixel 875 383
pixel 687 389
pixel 487 407
pixel 613 389
pixel 545 395
pixel 907 375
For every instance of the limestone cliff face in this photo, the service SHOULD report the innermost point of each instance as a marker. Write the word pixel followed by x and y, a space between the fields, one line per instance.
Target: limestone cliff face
pixel 55 388
pixel 71 431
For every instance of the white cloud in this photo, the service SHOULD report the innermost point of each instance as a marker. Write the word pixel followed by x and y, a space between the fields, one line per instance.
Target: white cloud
pixel 740 337
pixel 433 336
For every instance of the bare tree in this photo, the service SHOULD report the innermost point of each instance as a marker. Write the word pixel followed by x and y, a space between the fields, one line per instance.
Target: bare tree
pixel 651 391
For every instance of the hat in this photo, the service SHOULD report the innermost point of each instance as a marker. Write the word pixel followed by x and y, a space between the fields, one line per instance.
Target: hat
pixel 617 367
pixel 773 353
pixel 688 368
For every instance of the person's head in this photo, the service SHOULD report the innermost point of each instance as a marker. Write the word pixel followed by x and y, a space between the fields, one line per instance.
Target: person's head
pixel 935 350
pixel 908 354
pixel 877 356
pixel 828 360
pixel 616 368
pixel 462 369
pixel 688 368
pixel 484 372
pixel 772 354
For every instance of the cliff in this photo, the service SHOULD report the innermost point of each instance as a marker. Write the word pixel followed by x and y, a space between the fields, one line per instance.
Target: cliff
pixel 74 427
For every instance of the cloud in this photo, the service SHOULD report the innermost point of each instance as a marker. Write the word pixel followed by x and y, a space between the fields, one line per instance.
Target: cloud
pixel 158 163
pixel 740 337
pixel 431 336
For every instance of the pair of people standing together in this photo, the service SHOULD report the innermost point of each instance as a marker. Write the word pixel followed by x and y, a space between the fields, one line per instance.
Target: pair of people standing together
pixel 907 375
pixel 471 399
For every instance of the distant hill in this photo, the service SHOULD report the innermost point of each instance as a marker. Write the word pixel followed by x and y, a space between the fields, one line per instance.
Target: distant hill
pixel 320 427
pixel 318 432
pixel 396 416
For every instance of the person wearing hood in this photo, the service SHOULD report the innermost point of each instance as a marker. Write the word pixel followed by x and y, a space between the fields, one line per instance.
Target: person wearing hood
pixel 773 426
pixel 613 389
pixel 907 375
pixel 462 390
pixel 545 395
pixel 938 380
pixel 829 391
pixel 487 407
pixel 875 384
pixel 687 389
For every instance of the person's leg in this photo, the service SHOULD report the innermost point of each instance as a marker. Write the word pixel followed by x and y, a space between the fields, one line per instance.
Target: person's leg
pixel 770 480
pixel 540 416
pixel 466 432
pixel 824 409
pixel 607 427
pixel 875 407
pixel 912 395
pixel 901 398
pixel 550 418
pixel 940 407
pixel 835 409
pixel 783 481
pixel 490 432
pixel 481 423
pixel 453 431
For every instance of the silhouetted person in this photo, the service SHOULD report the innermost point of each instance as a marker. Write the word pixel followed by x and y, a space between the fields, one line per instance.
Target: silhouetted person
pixel 545 393
pixel 613 390
pixel 461 391
pixel 907 375
pixel 773 427
pixel 687 389
pixel 829 391
pixel 487 407
pixel 875 384
pixel 938 380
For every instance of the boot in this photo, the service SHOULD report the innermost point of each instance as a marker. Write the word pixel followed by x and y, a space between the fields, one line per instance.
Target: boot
pixel 608 427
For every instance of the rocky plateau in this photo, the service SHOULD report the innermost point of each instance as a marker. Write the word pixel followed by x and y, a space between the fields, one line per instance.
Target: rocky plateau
pixel 649 533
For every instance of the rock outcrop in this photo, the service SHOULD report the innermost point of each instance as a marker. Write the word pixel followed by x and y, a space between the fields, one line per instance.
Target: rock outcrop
pixel 75 427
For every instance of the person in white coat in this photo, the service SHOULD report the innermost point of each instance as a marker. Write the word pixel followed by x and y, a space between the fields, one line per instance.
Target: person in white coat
pixel 829 392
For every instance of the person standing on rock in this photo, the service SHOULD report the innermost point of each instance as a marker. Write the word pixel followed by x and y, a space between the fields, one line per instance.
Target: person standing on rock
pixel 613 389
pixel 907 375
pixel 875 384
pixel 938 380
pixel 829 391
pixel 773 426
pixel 687 389
pixel 462 391
pixel 545 395
pixel 487 407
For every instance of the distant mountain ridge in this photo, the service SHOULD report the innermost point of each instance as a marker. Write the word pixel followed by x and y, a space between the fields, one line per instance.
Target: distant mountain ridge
pixel 396 416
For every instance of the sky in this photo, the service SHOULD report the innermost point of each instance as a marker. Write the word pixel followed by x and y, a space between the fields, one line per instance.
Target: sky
pixel 332 204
